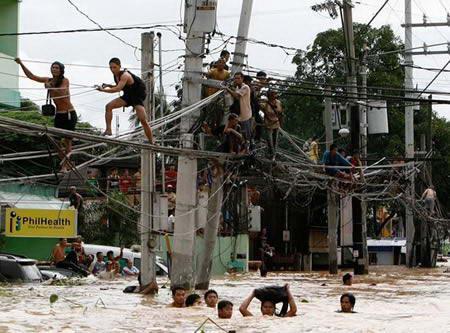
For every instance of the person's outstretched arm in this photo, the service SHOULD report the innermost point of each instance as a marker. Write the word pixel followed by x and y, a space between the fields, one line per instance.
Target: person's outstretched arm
pixel 244 306
pixel 292 306
pixel 30 75
pixel 118 87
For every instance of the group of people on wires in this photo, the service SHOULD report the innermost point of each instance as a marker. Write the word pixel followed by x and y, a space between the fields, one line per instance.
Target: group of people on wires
pixel 134 93
pixel 254 106
pixel 335 160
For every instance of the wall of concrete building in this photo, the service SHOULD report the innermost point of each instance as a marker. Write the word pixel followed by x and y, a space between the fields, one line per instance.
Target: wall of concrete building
pixel 9 81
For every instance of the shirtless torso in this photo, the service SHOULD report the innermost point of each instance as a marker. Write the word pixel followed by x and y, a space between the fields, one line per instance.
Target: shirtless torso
pixel 58 253
pixel 61 96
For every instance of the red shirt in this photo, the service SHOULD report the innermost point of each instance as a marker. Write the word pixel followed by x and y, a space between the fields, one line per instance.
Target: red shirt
pixel 124 183
pixel 171 178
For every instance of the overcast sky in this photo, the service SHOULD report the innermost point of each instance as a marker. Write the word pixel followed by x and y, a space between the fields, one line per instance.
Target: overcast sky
pixel 287 22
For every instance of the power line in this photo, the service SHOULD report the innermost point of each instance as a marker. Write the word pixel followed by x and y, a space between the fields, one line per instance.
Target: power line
pixel 144 27
pixel 376 14
pixel 98 25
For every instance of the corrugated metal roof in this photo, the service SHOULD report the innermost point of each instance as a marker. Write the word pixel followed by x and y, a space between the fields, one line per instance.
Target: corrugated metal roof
pixel 26 196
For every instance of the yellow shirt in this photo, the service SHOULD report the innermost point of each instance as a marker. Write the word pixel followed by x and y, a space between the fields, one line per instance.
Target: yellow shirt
pixel 215 74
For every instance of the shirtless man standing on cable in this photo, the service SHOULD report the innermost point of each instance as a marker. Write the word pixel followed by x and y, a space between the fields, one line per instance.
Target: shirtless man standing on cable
pixel 58 91
pixel 133 95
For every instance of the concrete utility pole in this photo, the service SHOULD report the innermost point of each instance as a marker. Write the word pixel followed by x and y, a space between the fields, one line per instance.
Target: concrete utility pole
pixel 184 238
pixel 359 238
pixel 241 44
pixel 364 142
pixel 162 103
pixel 211 228
pixel 409 137
pixel 331 197
pixel 148 243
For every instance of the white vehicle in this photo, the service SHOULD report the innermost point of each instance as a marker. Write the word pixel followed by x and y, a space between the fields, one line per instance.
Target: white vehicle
pixel 134 256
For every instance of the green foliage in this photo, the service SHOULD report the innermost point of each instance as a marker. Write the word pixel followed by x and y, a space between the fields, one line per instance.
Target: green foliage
pixel 324 62
pixel 17 142
pixel 110 222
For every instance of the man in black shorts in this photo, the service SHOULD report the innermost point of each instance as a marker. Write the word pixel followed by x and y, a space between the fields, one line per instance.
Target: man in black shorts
pixel 133 95
pixel 58 91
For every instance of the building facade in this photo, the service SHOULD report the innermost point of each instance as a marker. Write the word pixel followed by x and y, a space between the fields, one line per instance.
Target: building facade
pixel 9 70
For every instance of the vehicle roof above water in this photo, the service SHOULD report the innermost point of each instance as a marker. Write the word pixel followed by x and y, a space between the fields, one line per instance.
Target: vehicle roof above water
pixel 94 248
pixel 16 258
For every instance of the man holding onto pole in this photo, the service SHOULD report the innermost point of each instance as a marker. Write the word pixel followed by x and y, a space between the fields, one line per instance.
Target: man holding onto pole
pixel 58 91
pixel 134 94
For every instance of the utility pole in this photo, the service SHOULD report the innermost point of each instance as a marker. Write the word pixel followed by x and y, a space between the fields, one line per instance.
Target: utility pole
pixel 162 104
pixel 359 238
pixel 364 142
pixel 184 237
pixel 148 243
pixel 409 138
pixel 241 43
pixel 211 228
pixel 331 197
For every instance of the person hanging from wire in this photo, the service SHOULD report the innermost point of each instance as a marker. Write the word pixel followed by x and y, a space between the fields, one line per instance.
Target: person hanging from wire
pixel 58 91
pixel 134 94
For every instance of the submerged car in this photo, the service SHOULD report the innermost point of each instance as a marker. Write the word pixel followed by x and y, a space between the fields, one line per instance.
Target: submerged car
pixel 16 268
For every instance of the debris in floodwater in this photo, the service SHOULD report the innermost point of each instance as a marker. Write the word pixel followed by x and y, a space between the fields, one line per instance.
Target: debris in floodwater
pixel 53 298
pixel 304 301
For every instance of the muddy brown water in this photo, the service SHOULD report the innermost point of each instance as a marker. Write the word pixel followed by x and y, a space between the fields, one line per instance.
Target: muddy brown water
pixel 389 299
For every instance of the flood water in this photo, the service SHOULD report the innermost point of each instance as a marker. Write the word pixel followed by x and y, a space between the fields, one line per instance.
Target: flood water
pixel 389 299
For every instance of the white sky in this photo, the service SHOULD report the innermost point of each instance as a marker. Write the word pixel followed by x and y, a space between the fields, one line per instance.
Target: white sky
pixel 287 22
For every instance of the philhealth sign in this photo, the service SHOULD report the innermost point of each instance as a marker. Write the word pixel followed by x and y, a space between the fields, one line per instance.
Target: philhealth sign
pixel 54 223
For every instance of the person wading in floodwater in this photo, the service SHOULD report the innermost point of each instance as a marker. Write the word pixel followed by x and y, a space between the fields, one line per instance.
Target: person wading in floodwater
pixel 58 91
pixel 133 95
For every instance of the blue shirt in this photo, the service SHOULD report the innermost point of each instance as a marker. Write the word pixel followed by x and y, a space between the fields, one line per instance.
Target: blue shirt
pixel 332 162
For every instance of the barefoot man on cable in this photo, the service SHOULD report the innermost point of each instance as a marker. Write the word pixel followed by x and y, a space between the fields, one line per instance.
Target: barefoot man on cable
pixel 133 95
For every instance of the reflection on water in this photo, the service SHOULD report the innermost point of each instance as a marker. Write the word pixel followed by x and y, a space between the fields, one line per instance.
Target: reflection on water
pixel 390 299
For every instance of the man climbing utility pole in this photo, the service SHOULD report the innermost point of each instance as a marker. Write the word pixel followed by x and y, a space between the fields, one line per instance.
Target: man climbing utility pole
pixel 148 271
pixel 199 19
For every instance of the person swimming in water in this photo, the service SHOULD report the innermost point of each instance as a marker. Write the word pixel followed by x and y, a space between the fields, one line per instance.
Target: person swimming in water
pixel 347 303
pixel 268 306
pixel 134 94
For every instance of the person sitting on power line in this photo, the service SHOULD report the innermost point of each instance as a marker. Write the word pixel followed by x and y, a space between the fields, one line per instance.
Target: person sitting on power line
pixel 333 161
pixel 134 94
pixel 58 91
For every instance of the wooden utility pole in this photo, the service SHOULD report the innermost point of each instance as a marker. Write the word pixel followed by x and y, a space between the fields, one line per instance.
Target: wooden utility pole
pixel 148 242
pixel 359 237
pixel 184 238
pixel 331 197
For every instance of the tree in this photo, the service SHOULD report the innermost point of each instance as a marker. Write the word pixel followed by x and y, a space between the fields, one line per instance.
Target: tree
pixel 324 64
pixel 110 222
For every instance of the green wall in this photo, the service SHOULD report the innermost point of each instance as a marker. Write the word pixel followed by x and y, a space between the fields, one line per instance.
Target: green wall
pixel 35 248
pixel 222 251
pixel 9 22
